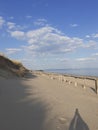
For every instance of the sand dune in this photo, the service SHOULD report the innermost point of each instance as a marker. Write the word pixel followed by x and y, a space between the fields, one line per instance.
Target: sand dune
pixel 38 102
pixel 11 68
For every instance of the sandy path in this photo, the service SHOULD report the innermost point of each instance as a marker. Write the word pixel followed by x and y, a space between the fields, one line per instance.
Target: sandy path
pixel 39 103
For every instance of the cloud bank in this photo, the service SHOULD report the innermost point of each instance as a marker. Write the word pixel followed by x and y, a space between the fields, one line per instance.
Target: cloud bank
pixel 48 40
pixel 48 44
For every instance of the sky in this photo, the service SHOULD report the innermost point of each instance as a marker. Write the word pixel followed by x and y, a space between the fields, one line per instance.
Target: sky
pixel 50 34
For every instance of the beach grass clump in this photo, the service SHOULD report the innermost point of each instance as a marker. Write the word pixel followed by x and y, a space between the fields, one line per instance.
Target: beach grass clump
pixel 14 67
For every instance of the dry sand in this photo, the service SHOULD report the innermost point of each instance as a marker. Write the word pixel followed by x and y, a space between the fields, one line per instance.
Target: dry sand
pixel 44 102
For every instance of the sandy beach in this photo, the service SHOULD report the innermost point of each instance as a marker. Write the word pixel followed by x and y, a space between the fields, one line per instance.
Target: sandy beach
pixel 47 102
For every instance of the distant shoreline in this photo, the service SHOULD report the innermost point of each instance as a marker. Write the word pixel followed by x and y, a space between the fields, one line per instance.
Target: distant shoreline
pixel 66 75
pixel 92 73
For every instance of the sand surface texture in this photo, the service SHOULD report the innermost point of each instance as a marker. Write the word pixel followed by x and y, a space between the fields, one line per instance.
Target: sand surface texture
pixel 42 102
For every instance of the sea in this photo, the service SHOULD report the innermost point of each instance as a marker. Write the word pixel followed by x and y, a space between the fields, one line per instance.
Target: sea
pixel 77 72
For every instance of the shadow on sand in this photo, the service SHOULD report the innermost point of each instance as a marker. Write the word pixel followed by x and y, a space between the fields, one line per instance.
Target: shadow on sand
pixel 78 123
pixel 21 107
pixel 93 89
pixel 30 75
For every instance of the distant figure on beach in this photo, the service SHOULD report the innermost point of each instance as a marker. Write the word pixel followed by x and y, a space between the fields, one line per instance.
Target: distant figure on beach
pixel 77 122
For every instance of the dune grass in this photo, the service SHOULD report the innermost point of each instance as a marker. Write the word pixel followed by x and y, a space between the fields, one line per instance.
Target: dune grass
pixel 13 67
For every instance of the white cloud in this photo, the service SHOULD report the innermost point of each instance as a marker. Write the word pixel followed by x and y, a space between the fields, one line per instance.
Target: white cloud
pixel 74 25
pixel 11 25
pixel 95 54
pixel 86 59
pixel 88 36
pixel 50 41
pixel 39 32
pixel 14 27
pixel 40 22
pixel 95 35
pixel 12 50
pixel 2 21
pixel 63 59
pixel 47 42
pixel 17 34
pixel 90 44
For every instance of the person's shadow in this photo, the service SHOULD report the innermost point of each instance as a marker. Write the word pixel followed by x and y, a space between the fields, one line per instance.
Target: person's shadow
pixel 78 123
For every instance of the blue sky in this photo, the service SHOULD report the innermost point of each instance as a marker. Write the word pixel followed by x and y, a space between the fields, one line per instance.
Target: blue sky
pixel 45 34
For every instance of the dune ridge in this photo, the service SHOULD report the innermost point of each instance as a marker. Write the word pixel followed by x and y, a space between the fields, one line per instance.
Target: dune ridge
pixel 10 67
